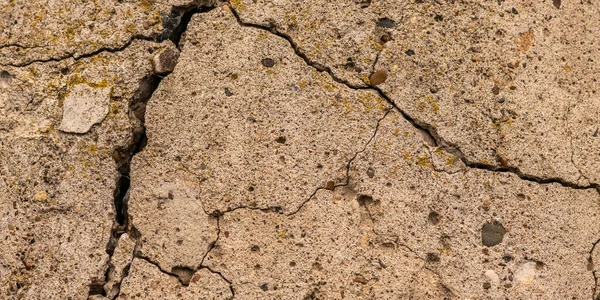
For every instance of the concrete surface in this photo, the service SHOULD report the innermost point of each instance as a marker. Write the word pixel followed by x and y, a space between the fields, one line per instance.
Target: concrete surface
pixel 288 149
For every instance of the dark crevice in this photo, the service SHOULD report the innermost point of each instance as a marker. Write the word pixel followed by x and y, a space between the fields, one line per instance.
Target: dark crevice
pixel 222 277
pixel 174 29
pixel 591 267
pixel 427 128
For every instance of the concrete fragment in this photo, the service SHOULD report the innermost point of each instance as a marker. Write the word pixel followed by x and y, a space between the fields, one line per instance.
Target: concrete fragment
pixel 57 189
pixel 84 107
pixel 270 146
pixel 119 265
pixel 176 232
pixel 146 281
pixel 35 31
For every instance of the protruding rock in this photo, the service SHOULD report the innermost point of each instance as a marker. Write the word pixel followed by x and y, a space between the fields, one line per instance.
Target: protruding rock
pixel 165 60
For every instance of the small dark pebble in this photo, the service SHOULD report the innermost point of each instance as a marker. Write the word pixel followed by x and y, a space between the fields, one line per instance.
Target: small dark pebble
pixel 281 140
pixel 556 3
pixel 433 218
pixel 438 18
pixel 254 248
pixel 228 93
pixel 595 133
pixel 515 11
pixel 510 65
pixel 492 234
pixel 386 23
pixel 410 52
pixel 378 78
pixel 264 287
pixel 433 90
pixel 496 90
pixel 487 285
pixel 432 257
pixel 384 38
pixel 267 62
pixel 330 185
pixel 501 100
pixel 370 172
pixel 507 258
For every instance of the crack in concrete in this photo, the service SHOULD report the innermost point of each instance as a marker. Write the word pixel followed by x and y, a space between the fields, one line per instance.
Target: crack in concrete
pixel 138 143
pixel 83 56
pixel 279 209
pixel 595 294
pixel 430 130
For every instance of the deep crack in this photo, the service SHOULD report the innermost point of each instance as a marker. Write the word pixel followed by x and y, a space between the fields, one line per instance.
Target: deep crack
pixel 124 156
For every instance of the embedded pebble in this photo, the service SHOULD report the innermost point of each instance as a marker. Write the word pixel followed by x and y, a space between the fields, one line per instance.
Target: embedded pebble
pixel 492 234
pixel 84 107
pixel 378 78
pixel 165 60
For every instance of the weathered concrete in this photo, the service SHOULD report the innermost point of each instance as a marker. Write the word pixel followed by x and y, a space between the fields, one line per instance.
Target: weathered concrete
pixel 510 84
pixel 287 150
pixel 57 187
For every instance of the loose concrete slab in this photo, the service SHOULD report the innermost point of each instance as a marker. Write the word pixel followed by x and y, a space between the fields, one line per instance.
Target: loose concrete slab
pixel 56 187
pixel 119 265
pixel 84 107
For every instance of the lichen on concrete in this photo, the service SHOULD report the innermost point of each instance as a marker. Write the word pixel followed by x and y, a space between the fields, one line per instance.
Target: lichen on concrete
pixel 275 149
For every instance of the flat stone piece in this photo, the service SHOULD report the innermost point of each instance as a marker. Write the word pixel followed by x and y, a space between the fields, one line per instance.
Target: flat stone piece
pixel 84 107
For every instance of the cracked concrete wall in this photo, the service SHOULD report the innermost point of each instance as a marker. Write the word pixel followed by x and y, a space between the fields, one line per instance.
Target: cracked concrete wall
pixel 299 150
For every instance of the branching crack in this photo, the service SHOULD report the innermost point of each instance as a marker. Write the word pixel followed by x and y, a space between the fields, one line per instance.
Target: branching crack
pixel 430 130
pixel 137 107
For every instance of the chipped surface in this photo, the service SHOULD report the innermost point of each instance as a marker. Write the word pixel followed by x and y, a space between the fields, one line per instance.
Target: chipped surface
pixel 286 150
pixel 146 281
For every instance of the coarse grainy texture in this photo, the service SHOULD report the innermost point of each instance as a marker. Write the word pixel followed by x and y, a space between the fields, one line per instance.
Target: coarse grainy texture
pixel 253 149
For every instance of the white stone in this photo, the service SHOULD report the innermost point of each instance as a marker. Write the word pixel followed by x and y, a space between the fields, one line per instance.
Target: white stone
pixel 492 276
pixel 525 273
pixel 84 107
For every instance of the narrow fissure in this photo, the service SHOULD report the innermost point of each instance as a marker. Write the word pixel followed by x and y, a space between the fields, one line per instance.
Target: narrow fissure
pixel 428 129
pixel 175 26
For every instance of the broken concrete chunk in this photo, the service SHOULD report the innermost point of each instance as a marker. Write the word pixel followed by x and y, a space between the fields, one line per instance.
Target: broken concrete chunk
pixel 146 281
pixel 269 146
pixel 178 245
pixel 83 107
pixel 57 189
pixel 119 265
pixel 165 60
